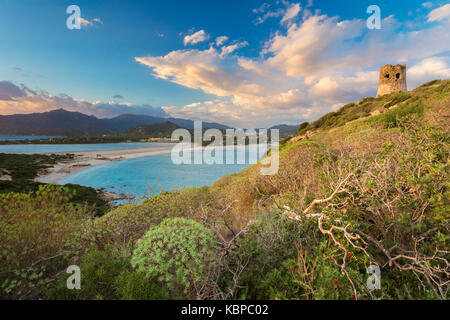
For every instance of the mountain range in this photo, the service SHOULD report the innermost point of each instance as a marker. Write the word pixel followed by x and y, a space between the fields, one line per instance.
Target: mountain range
pixel 66 123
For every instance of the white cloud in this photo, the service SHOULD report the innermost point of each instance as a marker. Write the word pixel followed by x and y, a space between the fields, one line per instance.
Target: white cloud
pixel 196 37
pixel 439 13
pixel 302 72
pixel 311 46
pixel 428 69
pixel 221 40
pixel 427 4
pixel 233 47
pixel 291 13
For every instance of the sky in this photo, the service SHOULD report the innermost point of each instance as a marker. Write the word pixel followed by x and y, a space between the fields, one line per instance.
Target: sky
pixel 251 63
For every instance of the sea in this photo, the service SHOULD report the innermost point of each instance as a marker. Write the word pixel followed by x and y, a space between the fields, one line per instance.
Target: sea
pixel 144 176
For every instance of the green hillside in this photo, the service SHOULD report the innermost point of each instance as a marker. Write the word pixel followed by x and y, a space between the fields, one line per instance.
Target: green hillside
pixel 157 130
pixel 366 185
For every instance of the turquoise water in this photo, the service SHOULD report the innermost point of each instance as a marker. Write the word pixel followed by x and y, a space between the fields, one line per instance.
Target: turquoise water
pixel 13 138
pixel 135 176
pixel 53 148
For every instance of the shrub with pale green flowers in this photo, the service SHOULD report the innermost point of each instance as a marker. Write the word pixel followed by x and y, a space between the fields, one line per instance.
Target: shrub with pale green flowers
pixel 179 253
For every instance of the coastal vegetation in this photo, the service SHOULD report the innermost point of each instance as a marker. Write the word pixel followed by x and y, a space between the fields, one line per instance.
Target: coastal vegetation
pixel 20 170
pixel 366 185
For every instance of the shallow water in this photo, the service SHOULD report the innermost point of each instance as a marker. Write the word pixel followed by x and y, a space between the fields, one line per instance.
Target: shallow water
pixel 141 176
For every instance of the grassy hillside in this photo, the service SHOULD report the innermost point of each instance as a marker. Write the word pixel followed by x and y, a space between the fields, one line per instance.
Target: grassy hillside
pixel 366 185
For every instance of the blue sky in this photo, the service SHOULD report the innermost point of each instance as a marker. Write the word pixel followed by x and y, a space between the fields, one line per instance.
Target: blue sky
pixel 132 56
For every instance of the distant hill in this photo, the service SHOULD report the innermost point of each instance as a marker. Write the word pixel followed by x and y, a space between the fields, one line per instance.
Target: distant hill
pixel 57 122
pixel 286 130
pixel 157 130
pixel 66 123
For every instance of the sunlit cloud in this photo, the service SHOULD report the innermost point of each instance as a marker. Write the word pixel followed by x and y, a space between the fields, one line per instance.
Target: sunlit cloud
pixel 309 68
pixel 16 99
pixel 196 37
pixel 90 23
pixel 439 13
pixel 429 69
pixel 221 40
pixel 291 13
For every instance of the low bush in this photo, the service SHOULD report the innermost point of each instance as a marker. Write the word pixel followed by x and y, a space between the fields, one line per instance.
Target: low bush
pixel 179 253
pixel 38 230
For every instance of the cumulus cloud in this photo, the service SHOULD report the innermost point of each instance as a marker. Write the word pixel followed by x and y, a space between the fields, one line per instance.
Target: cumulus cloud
pixel 428 69
pixel 9 91
pixel 16 99
pixel 196 37
pixel 309 68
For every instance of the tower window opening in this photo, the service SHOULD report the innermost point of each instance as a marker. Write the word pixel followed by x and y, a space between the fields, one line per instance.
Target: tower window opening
pixel 386 75
pixel 397 75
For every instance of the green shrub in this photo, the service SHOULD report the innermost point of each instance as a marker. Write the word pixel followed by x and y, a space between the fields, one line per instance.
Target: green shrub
pixel 37 231
pixel 392 118
pixel 128 223
pixel 267 250
pixel 107 275
pixel 303 127
pixel 132 285
pixel 179 252
pixel 99 270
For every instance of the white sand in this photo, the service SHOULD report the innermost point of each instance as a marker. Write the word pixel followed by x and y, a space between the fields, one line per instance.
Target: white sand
pixel 87 159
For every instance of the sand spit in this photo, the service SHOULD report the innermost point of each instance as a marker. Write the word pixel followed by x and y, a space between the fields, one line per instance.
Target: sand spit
pixel 88 159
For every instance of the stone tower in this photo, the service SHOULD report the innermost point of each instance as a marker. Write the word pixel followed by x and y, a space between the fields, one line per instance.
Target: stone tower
pixel 392 79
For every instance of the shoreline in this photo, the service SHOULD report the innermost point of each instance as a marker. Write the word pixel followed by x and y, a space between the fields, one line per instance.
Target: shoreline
pixel 87 159
pixel 84 160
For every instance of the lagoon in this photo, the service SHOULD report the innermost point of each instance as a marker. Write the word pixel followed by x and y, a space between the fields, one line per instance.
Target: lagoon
pixel 153 174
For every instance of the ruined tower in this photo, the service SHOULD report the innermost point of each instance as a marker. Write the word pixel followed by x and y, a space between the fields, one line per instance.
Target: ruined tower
pixel 392 79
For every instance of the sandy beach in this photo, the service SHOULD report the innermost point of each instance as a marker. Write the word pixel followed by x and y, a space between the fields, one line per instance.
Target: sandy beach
pixel 88 159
